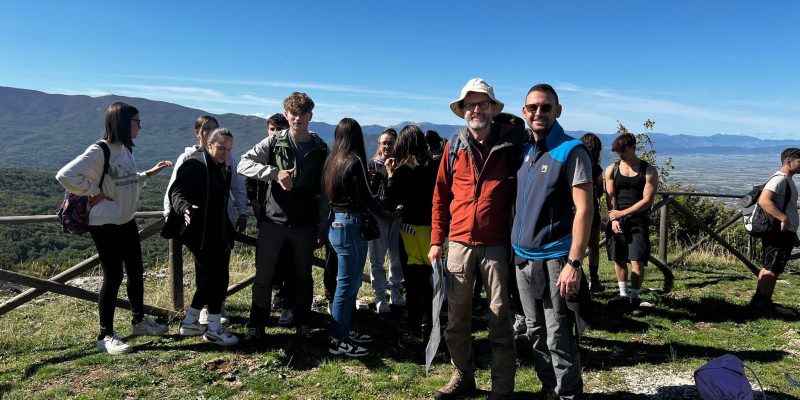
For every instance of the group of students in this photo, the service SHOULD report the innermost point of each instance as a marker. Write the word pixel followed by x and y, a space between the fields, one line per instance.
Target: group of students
pixel 513 208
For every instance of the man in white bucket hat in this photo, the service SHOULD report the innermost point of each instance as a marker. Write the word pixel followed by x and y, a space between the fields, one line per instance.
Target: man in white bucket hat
pixel 472 205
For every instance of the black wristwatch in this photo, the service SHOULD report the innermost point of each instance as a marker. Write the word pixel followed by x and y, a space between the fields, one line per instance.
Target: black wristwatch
pixel 574 263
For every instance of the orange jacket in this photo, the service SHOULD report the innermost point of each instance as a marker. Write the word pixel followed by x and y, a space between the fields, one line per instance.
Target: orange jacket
pixel 475 207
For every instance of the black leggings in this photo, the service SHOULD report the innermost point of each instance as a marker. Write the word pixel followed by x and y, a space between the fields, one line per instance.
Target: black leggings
pixel 211 277
pixel 117 244
pixel 419 296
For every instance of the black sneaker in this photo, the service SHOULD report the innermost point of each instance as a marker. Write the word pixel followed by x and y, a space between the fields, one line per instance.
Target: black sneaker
pixel 346 347
pixel 255 334
pixel 360 337
pixel 596 286
pixel 636 307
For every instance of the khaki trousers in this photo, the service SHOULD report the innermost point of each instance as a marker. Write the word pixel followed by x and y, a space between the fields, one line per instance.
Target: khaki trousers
pixel 463 263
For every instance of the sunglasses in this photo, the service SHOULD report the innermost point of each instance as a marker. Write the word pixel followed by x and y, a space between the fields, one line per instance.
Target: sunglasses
pixel 544 108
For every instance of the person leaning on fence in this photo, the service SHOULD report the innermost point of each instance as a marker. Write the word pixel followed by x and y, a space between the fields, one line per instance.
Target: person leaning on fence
pixel 472 204
pixel 777 246
pixel 595 146
pixel 199 195
pixel 412 176
pixel 551 230
pixel 237 209
pixel 631 184
pixel 389 241
pixel 111 221
pixel 345 183
pixel 291 162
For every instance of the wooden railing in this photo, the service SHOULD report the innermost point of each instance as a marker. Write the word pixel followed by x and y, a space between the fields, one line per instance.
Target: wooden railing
pixel 56 284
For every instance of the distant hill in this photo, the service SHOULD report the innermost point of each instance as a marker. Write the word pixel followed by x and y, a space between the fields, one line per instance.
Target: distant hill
pixel 44 131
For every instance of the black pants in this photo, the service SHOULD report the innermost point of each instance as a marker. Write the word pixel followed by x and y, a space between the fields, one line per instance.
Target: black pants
pixel 211 276
pixel 118 244
pixel 283 280
pixel 331 271
pixel 419 296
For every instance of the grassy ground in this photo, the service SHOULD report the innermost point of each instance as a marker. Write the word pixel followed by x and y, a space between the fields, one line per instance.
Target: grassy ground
pixel 47 348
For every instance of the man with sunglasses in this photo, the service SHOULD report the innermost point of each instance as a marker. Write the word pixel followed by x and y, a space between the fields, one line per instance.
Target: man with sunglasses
pixel 472 203
pixel 550 233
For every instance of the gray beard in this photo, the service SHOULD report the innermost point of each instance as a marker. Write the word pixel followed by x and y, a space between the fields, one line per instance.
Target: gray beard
pixel 478 125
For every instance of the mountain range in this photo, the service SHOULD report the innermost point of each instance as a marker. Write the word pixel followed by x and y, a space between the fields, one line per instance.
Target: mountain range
pixel 44 131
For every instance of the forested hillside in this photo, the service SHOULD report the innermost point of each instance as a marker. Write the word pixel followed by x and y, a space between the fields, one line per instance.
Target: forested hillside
pixel 27 192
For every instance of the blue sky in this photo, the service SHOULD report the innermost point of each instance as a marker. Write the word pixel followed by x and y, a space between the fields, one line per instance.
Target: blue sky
pixel 695 67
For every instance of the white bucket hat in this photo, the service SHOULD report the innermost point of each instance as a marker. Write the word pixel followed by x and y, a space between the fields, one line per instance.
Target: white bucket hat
pixel 476 85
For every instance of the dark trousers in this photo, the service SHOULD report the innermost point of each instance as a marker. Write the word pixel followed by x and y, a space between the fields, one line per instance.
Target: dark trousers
pixel 283 281
pixel 419 296
pixel 211 276
pixel 118 244
pixel 331 271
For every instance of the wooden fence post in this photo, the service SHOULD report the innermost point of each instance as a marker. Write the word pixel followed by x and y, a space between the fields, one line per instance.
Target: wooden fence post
pixel 176 273
pixel 663 231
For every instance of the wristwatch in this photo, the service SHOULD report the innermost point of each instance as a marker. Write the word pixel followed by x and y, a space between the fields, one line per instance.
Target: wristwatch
pixel 574 263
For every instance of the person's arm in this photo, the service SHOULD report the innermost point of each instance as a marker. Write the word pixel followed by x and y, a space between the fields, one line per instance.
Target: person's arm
pixel 180 193
pixel 239 195
pixel 255 163
pixel 440 209
pixel 767 202
pixel 648 195
pixel 611 198
pixel 82 175
pixel 361 192
pixel 569 279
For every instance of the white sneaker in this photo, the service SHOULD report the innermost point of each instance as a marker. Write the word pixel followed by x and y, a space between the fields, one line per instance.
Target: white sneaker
pixel 113 345
pixel 193 329
pixel 382 307
pixel 221 337
pixel 287 317
pixel 223 319
pixel 360 305
pixel 148 327
pixel 330 308
pixel 397 298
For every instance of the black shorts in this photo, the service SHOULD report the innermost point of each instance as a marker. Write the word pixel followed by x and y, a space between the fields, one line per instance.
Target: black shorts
pixel 633 244
pixel 777 249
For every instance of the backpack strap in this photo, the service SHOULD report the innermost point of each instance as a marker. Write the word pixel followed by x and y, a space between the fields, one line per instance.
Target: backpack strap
pixel 452 150
pixel 106 155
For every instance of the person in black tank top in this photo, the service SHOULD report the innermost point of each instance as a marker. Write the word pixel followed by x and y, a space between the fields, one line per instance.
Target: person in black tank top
pixel 631 184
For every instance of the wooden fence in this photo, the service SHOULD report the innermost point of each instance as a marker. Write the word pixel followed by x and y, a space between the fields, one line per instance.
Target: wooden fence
pixel 56 284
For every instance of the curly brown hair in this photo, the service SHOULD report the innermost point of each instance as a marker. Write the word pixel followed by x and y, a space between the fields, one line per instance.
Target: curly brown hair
pixel 298 103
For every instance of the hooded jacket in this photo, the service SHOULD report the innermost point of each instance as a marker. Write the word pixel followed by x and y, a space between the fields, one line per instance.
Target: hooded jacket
pixel 475 207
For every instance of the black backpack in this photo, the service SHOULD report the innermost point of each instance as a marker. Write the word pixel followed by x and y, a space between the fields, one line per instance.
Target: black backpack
pixel 757 222
pixel 73 214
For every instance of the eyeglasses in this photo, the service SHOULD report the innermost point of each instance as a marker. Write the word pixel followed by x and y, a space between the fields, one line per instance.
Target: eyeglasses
pixel 138 122
pixel 483 105
pixel 544 108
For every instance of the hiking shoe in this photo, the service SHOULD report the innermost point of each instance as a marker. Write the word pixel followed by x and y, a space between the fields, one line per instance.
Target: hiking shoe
pixel 287 317
pixel 596 286
pixel 397 298
pixel 222 337
pixel 223 316
pixel 148 327
pixel 112 344
pixel 382 307
pixel 347 348
pixel 193 329
pixel 520 326
pixel 461 383
pixel 255 334
pixel 360 337
pixel 304 331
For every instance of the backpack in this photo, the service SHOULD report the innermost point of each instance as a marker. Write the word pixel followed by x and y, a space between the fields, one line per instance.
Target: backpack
pixel 723 378
pixel 757 222
pixel 455 141
pixel 73 214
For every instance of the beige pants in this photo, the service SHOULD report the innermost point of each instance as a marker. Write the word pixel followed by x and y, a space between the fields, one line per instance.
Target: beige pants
pixel 463 263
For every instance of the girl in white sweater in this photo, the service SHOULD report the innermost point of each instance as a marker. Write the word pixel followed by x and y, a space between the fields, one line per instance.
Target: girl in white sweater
pixel 111 222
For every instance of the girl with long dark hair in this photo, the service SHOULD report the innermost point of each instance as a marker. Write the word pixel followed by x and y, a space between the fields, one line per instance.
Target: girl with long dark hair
pixel 345 183
pixel 111 222
pixel 412 177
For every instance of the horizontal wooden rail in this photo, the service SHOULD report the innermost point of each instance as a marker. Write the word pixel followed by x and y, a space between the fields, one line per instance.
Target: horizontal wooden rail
pixel 28 219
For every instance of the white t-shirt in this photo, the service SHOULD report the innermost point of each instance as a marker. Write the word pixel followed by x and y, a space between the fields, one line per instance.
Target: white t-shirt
pixel 777 185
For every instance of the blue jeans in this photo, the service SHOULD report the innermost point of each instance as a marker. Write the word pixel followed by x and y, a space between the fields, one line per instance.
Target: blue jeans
pixel 351 250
